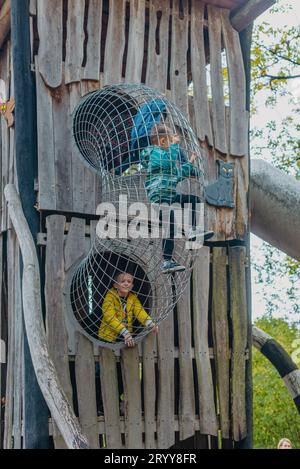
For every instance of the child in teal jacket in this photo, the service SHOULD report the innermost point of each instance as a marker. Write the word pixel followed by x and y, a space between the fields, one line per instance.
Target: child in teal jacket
pixel 164 172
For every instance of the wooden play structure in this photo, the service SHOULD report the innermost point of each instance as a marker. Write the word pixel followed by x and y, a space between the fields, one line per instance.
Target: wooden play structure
pixel 191 386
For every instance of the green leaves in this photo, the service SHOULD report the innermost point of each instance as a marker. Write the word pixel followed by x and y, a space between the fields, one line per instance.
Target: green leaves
pixel 275 414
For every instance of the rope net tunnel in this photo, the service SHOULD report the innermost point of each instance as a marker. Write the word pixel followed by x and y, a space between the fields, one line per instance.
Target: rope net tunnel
pixel 151 213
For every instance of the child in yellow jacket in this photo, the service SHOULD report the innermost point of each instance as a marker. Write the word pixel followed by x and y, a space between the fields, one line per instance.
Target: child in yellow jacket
pixel 120 308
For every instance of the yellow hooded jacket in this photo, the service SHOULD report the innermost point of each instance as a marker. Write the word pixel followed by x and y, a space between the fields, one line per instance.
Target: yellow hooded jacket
pixel 111 325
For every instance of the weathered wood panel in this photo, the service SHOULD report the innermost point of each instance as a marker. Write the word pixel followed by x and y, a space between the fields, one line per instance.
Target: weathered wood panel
pixel 149 380
pixel 50 29
pixel 186 391
pixel 55 313
pixel 239 318
pixel 18 366
pixel 237 87
pixel 75 40
pixel 200 87
pixel 93 47
pixel 11 352
pixel 86 389
pixel 115 42
pixel 110 396
pixel 135 53
pixel 178 70
pixel 217 83
pixel 45 127
pixel 132 398
pixel 165 417
pixel 92 182
pixel 62 149
pixel 5 75
pixel 157 65
pixel 75 248
pixel 208 418
pixel 221 335
pixel 78 170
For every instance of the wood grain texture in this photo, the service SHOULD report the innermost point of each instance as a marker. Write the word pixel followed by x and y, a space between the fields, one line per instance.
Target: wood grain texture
pixel 110 397
pixel 237 89
pixel 93 48
pixel 78 169
pixel 135 53
pixel 208 417
pixel 178 69
pixel 75 40
pixel 221 336
pixel 86 389
pixel 115 42
pixel 50 29
pixel 19 357
pixel 62 149
pixel 200 88
pixel 55 321
pixel 186 391
pixel 157 65
pixel 239 318
pixel 165 417
pixel 44 367
pixel 132 398
pixel 149 380
pixel 216 74
pixel 45 129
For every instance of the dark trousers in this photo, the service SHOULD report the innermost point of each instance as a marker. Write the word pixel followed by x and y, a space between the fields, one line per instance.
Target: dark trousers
pixel 181 199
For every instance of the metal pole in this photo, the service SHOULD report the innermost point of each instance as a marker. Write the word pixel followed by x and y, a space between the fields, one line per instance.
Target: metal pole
pixel 35 411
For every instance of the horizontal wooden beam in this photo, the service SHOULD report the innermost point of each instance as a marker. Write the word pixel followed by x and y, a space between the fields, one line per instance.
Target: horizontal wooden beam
pixel 249 12
pixel 4 21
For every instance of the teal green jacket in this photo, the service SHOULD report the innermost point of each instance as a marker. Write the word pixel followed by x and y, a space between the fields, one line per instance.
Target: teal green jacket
pixel 164 172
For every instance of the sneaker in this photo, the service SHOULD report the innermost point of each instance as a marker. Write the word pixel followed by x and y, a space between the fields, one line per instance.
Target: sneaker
pixel 172 266
pixel 198 234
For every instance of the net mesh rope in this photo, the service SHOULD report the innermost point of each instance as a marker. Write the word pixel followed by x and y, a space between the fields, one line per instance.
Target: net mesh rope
pixel 148 158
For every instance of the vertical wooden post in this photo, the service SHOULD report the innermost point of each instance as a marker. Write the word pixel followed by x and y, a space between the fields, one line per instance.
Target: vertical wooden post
pixel 35 409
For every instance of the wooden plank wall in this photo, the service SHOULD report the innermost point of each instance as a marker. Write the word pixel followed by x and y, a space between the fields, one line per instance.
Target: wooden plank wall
pixel 207 361
pixel 202 403
pixel 111 41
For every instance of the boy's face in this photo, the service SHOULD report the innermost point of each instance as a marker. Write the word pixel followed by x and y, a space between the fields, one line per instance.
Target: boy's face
pixel 124 284
pixel 170 139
